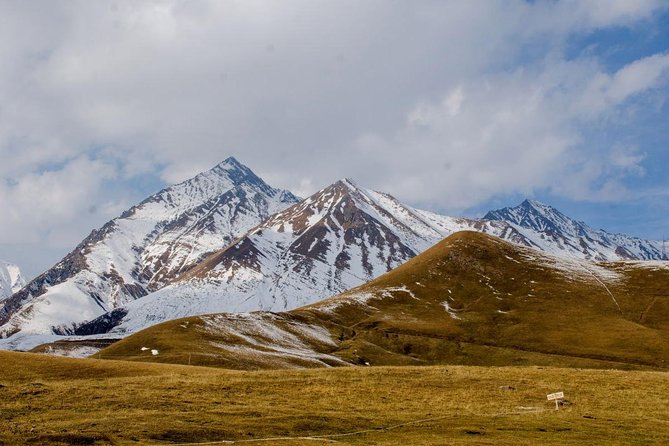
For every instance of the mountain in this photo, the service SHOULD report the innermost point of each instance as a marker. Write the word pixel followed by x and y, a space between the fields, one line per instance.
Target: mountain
pixel 146 247
pixel 338 238
pixel 210 245
pixel 11 279
pixel 550 230
pixel 471 299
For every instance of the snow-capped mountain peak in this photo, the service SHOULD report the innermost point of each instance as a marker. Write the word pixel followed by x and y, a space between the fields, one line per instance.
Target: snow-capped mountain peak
pixel 240 174
pixel 225 241
pixel 550 230
pixel 533 214
pixel 11 279
pixel 145 248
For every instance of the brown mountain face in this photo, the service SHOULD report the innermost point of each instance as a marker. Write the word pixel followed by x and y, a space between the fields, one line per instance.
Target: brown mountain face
pixel 331 225
pixel 471 299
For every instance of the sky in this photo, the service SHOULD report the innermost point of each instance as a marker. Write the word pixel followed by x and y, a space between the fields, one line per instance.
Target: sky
pixel 453 106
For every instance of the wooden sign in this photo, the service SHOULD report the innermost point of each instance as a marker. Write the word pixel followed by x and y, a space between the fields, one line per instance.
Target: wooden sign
pixel 557 396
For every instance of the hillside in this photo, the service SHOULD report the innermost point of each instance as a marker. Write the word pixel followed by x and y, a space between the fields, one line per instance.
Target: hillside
pixel 60 401
pixel 471 299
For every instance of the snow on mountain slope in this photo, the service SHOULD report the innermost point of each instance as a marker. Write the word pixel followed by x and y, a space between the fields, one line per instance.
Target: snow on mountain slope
pixel 550 230
pixel 11 279
pixel 338 238
pixel 146 247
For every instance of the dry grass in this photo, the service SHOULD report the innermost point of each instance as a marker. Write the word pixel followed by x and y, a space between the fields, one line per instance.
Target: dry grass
pixel 46 400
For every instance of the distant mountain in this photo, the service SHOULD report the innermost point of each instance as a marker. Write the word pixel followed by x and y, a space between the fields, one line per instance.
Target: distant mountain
pixel 148 246
pixel 11 279
pixel 550 230
pixel 338 238
pixel 471 299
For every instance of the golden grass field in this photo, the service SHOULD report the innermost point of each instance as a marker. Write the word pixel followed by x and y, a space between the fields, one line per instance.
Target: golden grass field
pixel 48 400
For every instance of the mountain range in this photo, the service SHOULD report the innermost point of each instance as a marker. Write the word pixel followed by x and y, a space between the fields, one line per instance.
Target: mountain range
pixel 226 241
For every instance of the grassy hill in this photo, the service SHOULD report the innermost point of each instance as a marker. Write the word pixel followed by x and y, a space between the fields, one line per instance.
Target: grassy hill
pixel 472 299
pixel 49 400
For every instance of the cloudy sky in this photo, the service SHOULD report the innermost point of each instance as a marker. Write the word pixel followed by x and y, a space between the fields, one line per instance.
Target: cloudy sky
pixel 454 106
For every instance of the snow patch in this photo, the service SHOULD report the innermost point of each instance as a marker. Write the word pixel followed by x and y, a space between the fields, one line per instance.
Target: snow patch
pixel 451 312
pixel 268 335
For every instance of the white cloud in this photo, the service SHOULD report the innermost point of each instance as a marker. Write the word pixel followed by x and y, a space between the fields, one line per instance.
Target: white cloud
pixel 607 91
pixel 514 133
pixel 35 205
pixel 442 103
pixel 628 161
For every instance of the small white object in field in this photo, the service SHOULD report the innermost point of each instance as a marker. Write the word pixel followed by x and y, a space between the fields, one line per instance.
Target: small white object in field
pixel 154 352
pixel 557 397
pixel 144 349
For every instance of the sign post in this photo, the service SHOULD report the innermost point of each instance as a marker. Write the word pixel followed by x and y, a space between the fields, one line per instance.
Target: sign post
pixel 557 397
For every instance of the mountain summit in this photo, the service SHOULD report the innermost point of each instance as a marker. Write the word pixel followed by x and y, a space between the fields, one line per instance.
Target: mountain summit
pixel 148 246
pixel 550 230
pixel 541 217
pixel 11 279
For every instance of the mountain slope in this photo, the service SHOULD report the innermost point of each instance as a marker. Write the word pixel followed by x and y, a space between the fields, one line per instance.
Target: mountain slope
pixel 11 279
pixel 143 249
pixel 471 299
pixel 550 230
pixel 338 238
